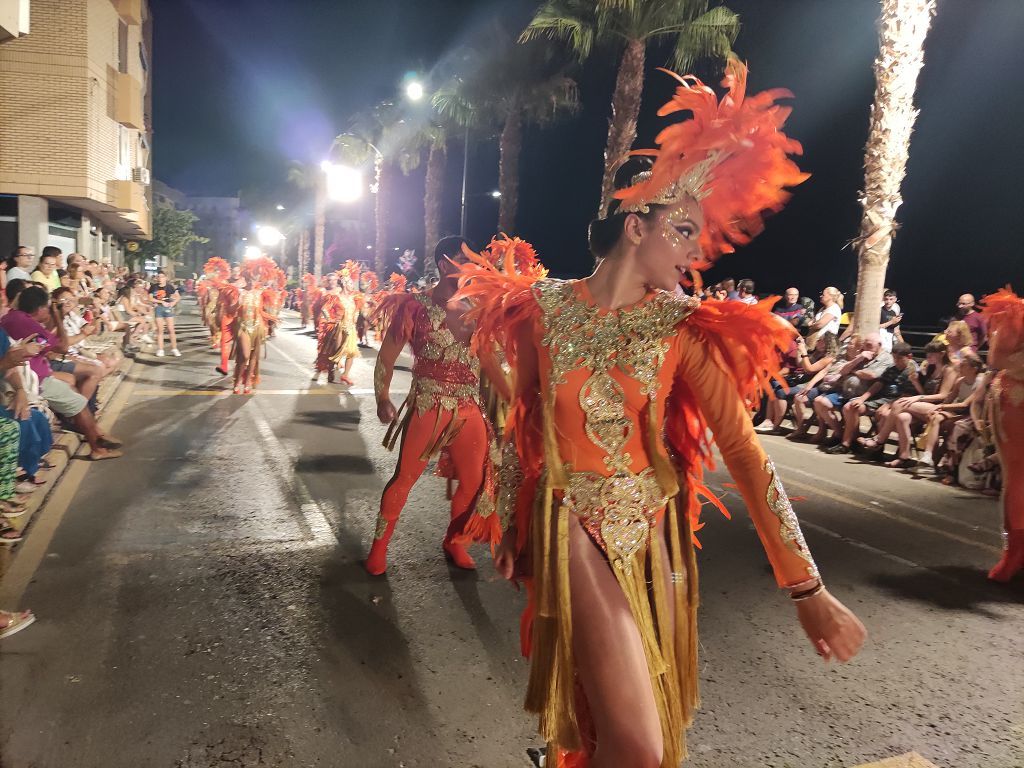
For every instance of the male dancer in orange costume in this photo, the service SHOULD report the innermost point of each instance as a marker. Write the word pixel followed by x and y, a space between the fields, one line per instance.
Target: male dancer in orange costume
pixel 1004 311
pixel 617 381
pixel 443 410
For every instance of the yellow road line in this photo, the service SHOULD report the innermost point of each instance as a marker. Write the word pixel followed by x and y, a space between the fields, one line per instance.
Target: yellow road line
pixel 32 550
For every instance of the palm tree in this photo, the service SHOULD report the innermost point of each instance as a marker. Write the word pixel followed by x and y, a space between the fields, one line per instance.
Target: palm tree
pixel 902 30
pixel 694 30
pixel 512 87
pixel 311 178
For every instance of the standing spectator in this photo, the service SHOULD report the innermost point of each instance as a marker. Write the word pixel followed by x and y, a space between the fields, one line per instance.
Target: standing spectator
pixel 19 263
pixel 792 310
pixel 889 328
pixel 965 311
pixel 730 288
pixel 746 292
pixel 827 318
pixel 26 322
pixel 165 297
pixel 46 270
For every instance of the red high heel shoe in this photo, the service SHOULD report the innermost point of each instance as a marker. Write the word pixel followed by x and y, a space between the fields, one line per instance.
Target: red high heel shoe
pixel 1012 561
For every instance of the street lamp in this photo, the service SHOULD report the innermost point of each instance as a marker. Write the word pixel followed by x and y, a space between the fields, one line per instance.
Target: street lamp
pixel 496 194
pixel 344 184
pixel 252 252
pixel 269 236
pixel 414 90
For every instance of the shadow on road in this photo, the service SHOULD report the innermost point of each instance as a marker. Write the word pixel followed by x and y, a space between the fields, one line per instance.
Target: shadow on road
pixel 952 588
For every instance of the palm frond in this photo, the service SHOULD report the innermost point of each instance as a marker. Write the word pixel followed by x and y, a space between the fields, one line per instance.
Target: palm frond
pixel 569 21
pixel 710 35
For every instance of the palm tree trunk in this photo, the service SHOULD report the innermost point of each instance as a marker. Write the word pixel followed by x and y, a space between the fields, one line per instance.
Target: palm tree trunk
pixel 902 31
pixel 303 251
pixel 433 188
pixel 319 225
pixel 510 146
pixel 629 86
pixel 380 260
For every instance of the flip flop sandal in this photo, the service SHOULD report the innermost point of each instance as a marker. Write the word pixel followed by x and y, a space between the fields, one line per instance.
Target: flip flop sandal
pixel 33 480
pixel 111 442
pixel 16 622
pixel 110 454
pixel 901 463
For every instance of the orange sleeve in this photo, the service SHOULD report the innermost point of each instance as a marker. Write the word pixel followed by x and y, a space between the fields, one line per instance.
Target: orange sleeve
pixel 715 390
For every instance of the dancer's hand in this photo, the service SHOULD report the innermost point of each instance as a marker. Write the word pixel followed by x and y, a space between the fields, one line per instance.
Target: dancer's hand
pixel 505 555
pixel 386 411
pixel 831 627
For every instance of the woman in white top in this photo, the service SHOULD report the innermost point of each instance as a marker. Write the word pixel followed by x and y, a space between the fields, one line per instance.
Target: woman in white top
pixel 827 318
pixel 18 264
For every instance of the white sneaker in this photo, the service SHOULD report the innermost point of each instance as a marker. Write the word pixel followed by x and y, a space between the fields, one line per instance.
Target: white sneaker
pixel 764 427
pixel 159 353
pixel 175 352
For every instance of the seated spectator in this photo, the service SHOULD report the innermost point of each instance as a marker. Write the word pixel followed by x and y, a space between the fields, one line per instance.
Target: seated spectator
pixel 77 281
pixel 889 327
pixel 956 405
pixel 857 377
pixel 966 430
pixel 25 322
pixel 966 311
pixel 824 382
pixel 894 382
pixel 46 270
pixel 826 320
pixel 719 292
pixel 797 372
pixel 958 339
pixel 36 437
pixel 20 262
pixel 730 288
pixel 746 292
pixel 65 317
pixel 933 384
pixel 792 310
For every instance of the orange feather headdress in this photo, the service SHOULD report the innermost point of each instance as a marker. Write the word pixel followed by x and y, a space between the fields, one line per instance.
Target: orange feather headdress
pixel 732 156
pixel 262 270
pixel 513 255
pixel 217 269
pixel 397 282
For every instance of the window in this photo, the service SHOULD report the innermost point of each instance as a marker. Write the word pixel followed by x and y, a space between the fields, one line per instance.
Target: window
pixel 124 154
pixel 122 47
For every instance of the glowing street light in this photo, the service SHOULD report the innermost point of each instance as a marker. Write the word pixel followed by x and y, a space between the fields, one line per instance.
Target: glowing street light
pixel 252 252
pixel 496 194
pixel 414 90
pixel 344 184
pixel 279 207
pixel 269 236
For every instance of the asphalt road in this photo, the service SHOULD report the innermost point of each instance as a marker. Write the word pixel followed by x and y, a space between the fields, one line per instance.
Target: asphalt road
pixel 202 605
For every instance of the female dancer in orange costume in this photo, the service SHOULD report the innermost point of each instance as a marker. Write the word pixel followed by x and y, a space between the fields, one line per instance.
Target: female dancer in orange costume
pixel 616 383
pixel 441 415
pixel 251 310
pixel 1004 311
pixel 216 271
pixel 336 329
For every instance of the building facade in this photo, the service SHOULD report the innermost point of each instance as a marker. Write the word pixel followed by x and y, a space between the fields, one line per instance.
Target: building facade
pixel 75 128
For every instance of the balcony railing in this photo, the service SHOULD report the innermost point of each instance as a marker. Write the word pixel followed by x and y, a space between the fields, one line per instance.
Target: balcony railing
pixel 128 196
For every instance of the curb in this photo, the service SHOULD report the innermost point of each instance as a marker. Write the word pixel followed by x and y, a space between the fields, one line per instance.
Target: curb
pixel 65 446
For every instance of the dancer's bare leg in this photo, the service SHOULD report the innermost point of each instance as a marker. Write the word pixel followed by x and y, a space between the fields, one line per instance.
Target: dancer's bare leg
pixel 611 663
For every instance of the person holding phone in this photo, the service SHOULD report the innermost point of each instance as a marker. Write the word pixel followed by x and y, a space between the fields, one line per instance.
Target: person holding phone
pixel 165 298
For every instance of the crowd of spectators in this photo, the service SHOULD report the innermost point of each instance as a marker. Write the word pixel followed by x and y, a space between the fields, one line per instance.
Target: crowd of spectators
pixel 849 394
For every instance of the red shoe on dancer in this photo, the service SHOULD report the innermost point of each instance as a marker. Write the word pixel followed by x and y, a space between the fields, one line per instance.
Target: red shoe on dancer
pixel 443 412
pixel 1004 311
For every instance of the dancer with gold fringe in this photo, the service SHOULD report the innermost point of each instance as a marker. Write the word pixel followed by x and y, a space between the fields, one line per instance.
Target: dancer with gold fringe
pixel 616 382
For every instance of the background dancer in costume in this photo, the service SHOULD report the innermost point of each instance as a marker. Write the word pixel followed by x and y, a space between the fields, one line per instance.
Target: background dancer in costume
pixel 614 374
pixel 227 318
pixel 1004 313
pixel 215 272
pixel 250 308
pixel 368 283
pixel 442 413
pixel 307 298
pixel 336 329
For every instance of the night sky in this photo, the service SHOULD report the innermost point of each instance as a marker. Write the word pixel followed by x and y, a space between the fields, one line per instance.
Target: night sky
pixel 242 89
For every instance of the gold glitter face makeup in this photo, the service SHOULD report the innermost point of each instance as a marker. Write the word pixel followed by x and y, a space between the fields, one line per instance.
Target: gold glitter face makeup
pixel 679 228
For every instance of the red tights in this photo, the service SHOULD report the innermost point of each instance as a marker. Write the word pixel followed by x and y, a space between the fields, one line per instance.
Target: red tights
pixel 1010 440
pixel 468 452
